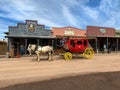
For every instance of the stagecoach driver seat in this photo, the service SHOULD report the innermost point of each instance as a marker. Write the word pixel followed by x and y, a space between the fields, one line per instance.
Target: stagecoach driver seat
pixel 63 40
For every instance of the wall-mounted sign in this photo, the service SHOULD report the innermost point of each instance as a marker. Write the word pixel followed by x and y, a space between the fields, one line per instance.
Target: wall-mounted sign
pixel 69 32
pixel 31 27
pixel 102 30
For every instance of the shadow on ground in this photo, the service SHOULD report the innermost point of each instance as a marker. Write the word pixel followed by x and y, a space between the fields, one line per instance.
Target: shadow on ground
pixel 96 81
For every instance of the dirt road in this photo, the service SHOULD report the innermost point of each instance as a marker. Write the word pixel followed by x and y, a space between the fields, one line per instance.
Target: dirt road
pixel 79 74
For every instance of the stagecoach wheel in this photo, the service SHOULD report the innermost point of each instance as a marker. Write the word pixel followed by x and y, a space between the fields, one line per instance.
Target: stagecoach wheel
pixel 68 56
pixel 88 53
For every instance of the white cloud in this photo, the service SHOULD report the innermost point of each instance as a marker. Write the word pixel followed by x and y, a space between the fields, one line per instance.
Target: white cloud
pixel 18 10
pixel 68 15
pixel 110 6
pixel 92 13
pixel 2 35
pixel 52 12
pixel 60 13
pixel 112 12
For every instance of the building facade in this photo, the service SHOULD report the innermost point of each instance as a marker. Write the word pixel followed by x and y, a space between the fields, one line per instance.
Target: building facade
pixel 68 31
pixel 60 32
pixel 103 37
pixel 27 33
pixel 31 32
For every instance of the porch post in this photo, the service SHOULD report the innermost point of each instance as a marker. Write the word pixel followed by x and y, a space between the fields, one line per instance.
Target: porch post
pixel 117 44
pixel 107 44
pixel 9 44
pixel 97 45
pixel 52 42
pixel 8 49
pixel 55 40
pixel 25 46
pixel 38 42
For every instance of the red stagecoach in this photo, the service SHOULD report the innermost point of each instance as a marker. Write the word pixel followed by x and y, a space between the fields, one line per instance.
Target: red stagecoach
pixel 77 46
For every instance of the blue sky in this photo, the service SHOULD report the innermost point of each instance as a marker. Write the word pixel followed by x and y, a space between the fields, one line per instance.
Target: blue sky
pixel 60 13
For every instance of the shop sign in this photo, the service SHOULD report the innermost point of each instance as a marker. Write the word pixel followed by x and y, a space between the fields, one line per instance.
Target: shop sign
pixel 102 30
pixel 69 32
pixel 31 27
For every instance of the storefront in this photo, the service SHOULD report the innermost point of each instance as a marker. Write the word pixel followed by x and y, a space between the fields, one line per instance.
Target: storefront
pixel 102 38
pixel 27 33
pixel 31 32
pixel 60 32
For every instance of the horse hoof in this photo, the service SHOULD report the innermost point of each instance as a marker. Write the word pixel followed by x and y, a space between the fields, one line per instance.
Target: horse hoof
pixel 38 60
pixel 49 60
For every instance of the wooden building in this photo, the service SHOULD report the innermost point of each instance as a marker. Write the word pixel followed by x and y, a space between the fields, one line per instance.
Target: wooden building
pixel 31 32
pixel 101 36
pixel 60 32
pixel 27 33
pixel 68 31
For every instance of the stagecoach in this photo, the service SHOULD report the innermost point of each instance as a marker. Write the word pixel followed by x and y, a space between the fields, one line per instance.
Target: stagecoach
pixel 75 46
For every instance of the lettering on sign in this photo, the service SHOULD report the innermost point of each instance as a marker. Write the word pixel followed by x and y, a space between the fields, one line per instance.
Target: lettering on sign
pixel 69 32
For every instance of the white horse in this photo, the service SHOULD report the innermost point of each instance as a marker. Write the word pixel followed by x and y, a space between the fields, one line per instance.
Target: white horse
pixel 31 48
pixel 44 49
pixel 41 49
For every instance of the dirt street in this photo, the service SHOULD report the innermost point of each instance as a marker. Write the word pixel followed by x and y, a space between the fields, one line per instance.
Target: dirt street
pixel 100 73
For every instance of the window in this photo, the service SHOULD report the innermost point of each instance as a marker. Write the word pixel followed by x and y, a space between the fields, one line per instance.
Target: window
pixel 79 42
pixel 85 43
pixel 72 43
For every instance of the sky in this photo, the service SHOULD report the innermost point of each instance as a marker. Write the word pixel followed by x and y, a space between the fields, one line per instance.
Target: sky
pixel 60 13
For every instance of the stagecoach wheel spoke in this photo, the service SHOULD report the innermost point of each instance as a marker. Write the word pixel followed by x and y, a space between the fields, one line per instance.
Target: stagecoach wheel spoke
pixel 68 56
pixel 88 53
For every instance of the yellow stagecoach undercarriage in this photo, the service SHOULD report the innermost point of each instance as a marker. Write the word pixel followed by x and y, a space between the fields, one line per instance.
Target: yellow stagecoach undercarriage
pixel 88 54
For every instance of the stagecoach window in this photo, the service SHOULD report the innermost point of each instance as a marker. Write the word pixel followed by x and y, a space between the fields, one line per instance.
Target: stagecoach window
pixel 79 42
pixel 85 43
pixel 72 43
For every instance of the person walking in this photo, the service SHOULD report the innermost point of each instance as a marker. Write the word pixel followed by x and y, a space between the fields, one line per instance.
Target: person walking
pixel 22 50
pixel 105 48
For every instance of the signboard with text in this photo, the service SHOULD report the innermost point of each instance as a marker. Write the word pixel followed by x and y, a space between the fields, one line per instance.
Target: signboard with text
pixel 69 32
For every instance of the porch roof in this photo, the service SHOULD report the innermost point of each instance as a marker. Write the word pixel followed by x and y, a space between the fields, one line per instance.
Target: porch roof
pixel 30 36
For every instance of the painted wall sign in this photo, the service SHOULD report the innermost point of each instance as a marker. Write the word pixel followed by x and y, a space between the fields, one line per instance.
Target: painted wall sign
pixel 69 32
pixel 102 30
pixel 31 27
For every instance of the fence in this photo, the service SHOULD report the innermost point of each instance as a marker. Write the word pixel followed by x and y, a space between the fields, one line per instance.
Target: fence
pixel 3 47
